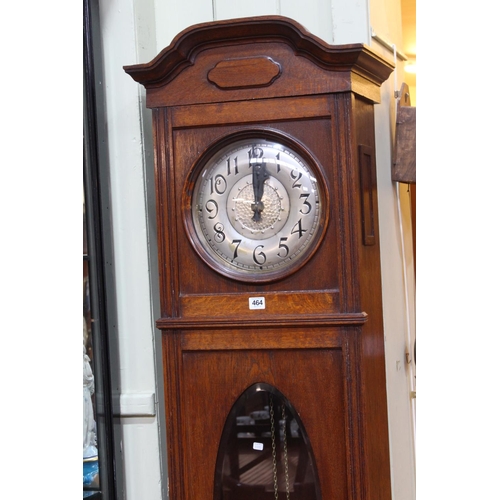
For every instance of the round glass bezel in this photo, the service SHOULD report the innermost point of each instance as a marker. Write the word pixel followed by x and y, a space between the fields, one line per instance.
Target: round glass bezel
pixel 271 258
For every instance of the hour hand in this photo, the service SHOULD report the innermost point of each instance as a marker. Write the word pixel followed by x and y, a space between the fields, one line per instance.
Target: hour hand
pixel 259 175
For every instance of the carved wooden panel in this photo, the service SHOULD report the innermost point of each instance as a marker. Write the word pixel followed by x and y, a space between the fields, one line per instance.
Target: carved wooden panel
pixel 244 72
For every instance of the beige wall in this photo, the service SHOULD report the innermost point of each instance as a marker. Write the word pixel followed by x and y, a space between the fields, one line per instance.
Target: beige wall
pixel 398 279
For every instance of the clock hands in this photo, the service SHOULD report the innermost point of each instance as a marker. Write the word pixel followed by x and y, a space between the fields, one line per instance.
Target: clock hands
pixel 259 176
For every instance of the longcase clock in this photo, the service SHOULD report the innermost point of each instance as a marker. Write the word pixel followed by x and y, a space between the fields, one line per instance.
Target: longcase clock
pixel 270 286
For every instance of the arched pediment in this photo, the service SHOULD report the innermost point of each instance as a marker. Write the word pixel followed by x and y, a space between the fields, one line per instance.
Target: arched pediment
pixel 179 73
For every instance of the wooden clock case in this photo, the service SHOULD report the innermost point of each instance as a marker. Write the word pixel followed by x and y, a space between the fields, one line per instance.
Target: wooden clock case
pixel 320 338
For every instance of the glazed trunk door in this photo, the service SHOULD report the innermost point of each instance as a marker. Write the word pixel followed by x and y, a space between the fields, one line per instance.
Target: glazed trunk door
pixel 312 381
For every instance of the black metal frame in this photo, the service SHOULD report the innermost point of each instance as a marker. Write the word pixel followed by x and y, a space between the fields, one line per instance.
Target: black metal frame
pixel 93 200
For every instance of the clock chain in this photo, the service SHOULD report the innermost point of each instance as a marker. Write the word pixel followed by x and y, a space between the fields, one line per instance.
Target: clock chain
pixel 285 450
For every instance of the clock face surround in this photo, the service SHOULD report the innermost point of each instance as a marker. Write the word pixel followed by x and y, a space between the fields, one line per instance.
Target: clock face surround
pixel 258 207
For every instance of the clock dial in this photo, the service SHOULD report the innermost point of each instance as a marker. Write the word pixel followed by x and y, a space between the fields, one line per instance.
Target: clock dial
pixel 257 209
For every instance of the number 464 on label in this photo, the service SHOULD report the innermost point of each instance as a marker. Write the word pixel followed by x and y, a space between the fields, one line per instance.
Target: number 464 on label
pixel 257 303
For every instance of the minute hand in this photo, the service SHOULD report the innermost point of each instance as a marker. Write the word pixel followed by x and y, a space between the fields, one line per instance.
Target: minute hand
pixel 259 175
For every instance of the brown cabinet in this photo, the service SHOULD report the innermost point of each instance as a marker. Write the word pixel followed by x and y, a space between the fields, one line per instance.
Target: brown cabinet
pixel 269 262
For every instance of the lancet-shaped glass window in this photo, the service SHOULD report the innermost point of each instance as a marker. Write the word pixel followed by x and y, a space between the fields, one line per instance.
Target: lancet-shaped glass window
pixel 264 452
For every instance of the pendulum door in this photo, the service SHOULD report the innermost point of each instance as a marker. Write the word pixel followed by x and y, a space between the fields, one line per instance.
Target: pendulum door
pixel 263 424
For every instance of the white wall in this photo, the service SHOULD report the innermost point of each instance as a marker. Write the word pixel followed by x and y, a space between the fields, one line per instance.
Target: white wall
pixel 127 38
pixel 398 278
pixel 134 31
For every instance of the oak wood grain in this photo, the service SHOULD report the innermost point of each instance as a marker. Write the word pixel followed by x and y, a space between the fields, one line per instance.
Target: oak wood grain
pixel 244 72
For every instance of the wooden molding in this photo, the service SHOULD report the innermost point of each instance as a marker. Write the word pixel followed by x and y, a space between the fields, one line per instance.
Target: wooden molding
pixel 188 44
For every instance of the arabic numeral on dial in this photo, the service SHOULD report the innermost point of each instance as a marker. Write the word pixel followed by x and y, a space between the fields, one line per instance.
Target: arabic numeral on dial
pixel 282 246
pixel 254 153
pixel 212 208
pixel 235 164
pixel 237 243
pixel 219 235
pixel 260 257
pixel 296 175
pixel 278 166
pixel 218 184
pixel 297 229
pixel 306 203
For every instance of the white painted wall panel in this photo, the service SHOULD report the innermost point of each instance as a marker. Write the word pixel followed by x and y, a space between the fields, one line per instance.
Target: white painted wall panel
pixel 351 21
pixel 393 298
pixel 173 16
pixel 229 9
pixel 142 469
pixel 125 138
pixel 317 17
